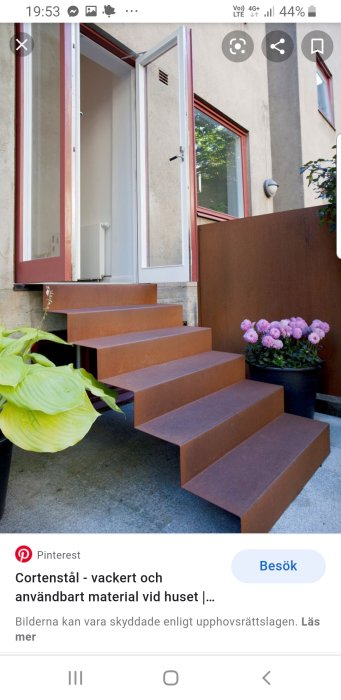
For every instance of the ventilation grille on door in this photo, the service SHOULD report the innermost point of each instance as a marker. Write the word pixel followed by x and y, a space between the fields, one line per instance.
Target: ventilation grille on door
pixel 163 77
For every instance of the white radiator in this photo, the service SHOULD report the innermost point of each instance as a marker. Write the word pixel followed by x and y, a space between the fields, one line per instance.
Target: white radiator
pixel 93 251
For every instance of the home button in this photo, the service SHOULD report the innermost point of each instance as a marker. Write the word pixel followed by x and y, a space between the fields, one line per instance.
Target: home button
pixel 171 678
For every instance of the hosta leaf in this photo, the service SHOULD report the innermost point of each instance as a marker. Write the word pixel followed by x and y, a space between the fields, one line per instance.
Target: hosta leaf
pixel 39 432
pixel 29 336
pixel 24 330
pixel 40 359
pixel 4 342
pixel 16 346
pixel 12 370
pixel 48 389
pixel 37 334
pixel 98 389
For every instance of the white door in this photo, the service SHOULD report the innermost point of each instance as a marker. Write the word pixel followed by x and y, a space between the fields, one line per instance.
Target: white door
pixel 164 106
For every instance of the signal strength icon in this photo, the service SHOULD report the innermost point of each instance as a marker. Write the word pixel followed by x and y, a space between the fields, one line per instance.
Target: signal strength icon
pixel 270 13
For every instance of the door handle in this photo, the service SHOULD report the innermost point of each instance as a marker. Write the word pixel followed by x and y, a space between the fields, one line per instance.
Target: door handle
pixel 181 155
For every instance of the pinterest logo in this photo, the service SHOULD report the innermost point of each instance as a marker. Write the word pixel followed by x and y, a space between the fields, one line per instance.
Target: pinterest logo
pixel 23 554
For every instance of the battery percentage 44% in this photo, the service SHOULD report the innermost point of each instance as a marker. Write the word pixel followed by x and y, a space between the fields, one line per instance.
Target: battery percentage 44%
pixel 292 11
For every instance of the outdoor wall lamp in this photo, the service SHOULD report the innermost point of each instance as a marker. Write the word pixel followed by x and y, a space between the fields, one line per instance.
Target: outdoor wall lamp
pixel 270 187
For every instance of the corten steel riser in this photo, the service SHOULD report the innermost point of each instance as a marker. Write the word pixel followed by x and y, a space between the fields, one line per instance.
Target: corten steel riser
pixel 164 387
pixel 209 427
pixel 238 449
pixel 106 321
pixel 273 464
pixel 79 295
pixel 131 351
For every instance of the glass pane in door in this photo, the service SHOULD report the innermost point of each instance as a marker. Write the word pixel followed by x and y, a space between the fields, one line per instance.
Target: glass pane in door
pixel 45 149
pixel 164 226
pixel 219 166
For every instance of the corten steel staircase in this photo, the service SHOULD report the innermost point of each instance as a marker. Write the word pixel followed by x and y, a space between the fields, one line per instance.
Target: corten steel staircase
pixel 238 449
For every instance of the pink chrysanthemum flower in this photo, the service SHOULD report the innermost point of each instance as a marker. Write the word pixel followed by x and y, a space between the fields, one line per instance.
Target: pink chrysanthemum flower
pixel 262 325
pixel 251 336
pixel 246 324
pixel 286 331
pixel 316 323
pixel 297 332
pixel 268 341
pixel 320 325
pixel 277 344
pixel 313 338
pixel 299 322
pixel 319 332
pixel 275 333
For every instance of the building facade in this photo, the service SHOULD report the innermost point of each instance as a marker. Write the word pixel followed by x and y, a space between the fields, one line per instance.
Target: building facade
pixel 118 140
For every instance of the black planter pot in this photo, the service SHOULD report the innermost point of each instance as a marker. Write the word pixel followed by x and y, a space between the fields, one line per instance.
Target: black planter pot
pixel 5 464
pixel 300 386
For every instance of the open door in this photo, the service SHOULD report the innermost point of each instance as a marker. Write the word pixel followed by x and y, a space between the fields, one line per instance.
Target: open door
pixel 164 111
pixel 46 152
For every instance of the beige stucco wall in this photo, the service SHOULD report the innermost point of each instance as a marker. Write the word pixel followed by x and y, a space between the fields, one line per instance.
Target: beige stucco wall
pixel 230 87
pixel 318 136
pixel 238 90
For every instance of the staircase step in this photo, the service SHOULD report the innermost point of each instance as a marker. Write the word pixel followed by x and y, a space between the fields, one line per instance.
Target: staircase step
pixel 238 449
pixel 259 479
pixel 207 428
pixel 118 354
pixel 78 295
pixel 104 321
pixel 164 387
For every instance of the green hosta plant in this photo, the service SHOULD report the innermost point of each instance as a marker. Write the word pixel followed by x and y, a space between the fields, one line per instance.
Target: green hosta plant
pixel 44 408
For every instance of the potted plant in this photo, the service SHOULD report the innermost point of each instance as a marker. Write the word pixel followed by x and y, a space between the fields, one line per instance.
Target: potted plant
pixel 286 352
pixel 43 407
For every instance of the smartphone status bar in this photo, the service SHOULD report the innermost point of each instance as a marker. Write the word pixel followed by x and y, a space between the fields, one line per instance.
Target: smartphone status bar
pixel 150 11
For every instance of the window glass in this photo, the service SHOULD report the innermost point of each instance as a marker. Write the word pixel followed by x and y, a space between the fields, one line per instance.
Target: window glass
pixel 45 153
pixel 324 95
pixel 219 166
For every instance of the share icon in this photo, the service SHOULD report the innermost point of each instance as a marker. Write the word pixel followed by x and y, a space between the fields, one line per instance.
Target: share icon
pixel 275 46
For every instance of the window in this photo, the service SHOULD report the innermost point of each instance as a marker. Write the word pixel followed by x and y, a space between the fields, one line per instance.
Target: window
pixel 220 164
pixel 43 106
pixel 324 90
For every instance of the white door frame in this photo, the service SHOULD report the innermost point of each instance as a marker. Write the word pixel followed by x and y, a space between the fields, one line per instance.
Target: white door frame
pixel 172 273
pixel 76 154
pixel 127 254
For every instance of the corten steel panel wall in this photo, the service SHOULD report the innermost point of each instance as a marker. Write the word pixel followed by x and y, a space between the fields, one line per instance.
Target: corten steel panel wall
pixel 272 266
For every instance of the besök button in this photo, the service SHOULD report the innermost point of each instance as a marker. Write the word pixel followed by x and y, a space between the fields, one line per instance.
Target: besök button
pixel 278 566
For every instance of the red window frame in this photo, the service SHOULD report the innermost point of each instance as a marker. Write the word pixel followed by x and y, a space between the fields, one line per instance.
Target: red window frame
pixel 328 77
pixel 218 116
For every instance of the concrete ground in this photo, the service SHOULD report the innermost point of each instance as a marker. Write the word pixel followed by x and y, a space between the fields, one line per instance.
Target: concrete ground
pixel 120 480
